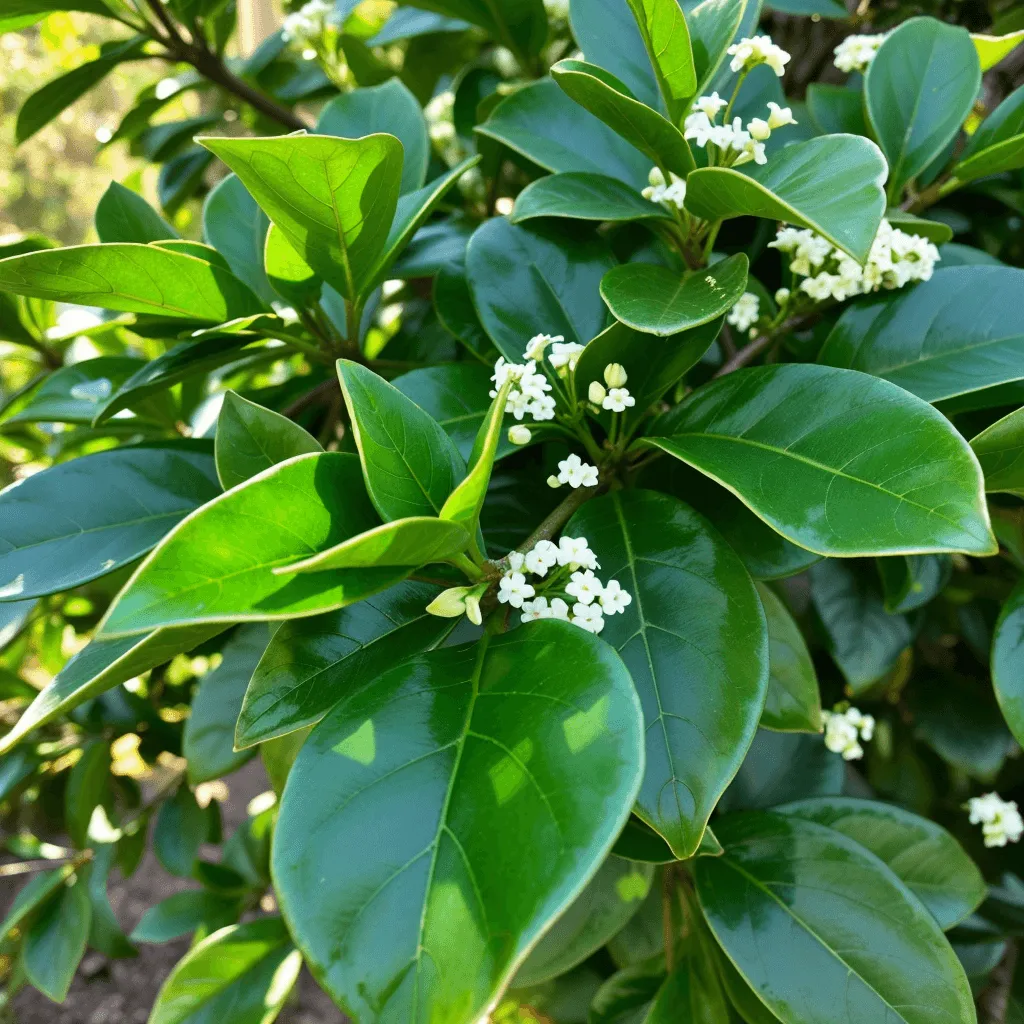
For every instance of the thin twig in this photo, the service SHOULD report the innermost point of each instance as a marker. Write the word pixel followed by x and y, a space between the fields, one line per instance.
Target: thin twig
pixel 562 514
pixel 321 393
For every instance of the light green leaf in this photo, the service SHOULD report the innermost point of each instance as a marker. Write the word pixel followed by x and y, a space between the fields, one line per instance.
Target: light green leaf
pixel 87 783
pixel 788 188
pixel 251 438
pixel 992 49
pixel 667 41
pixel 56 940
pixel 660 301
pixel 217 565
pixel 579 195
pixel 532 739
pixel 836 461
pixel 694 640
pixel 124 216
pixel 1000 450
pixel 998 144
pixel 288 273
pixel 713 25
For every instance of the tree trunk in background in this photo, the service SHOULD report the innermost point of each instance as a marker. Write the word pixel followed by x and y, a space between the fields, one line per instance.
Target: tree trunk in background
pixel 256 20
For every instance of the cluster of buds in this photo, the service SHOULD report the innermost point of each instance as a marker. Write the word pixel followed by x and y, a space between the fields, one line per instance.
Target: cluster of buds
pixel 734 144
pixel 615 397
pixel 745 313
pixel 749 53
pixel 670 193
pixel 999 819
pixel 845 727
pixel 562 585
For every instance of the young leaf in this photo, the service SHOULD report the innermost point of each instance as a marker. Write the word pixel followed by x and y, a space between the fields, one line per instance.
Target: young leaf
pixel 130 278
pixel 667 41
pixel 948 336
pixel 473 747
pixel 579 195
pixel 55 941
pixel 788 188
pixel 124 216
pixel 391 108
pixel 836 461
pixel 660 301
pixel 208 742
pixel 80 520
pixel 610 100
pixel 409 463
pixel 251 438
pixel 311 663
pixel 923 855
pixel 992 49
pixel 793 703
pixel 694 640
pixel 841 917
pixel 244 972
pixel 918 91
pixel 334 199
pixel 1000 450
pixel 194 577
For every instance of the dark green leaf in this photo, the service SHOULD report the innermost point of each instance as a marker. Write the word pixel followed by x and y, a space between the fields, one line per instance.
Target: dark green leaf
pixel 55 942
pixel 638 841
pixel 184 913
pixel 124 216
pixel 87 784
pixel 408 22
pixel 1007 659
pixel 1000 450
pixel 217 565
pixel 459 746
pixel 181 177
pixel 695 641
pixel 82 519
pixel 660 301
pixel 521 25
pixel 935 231
pixel 579 195
pixel 105 934
pixel 453 305
pixel 692 992
pixel 837 109
pixel 32 895
pixel 181 828
pixel 312 663
pixel 625 996
pixel 911 581
pixel 829 459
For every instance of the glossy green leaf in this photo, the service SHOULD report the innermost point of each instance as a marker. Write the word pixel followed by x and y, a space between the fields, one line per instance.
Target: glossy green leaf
pixel 237 228
pixel 836 461
pixel 935 231
pixel 657 300
pixel 691 992
pixel 86 784
pixel 626 995
pixel 334 199
pixel 415 541
pixel 911 581
pixel 82 519
pixel 610 100
pixel 792 899
pixel 610 899
pixel 288 273
pixel 788 188
pixel 101 665
pixel 520 25
pixel 208 742
pixel 312 663
pixel 667 41
pixel 470 747
pixel 945 337
pixel 713 25
pixel 251 438
pixel 923 855
pixel 1000 450
pixel 1007 659
pixel 181 828
pixel 130 278
pixel 837 109
pixel 243 973
pixel 918 91
pixel 124 216
pixel 529 280
pixel 409 463
pixel 638 841
pixel 543 124
pixel 695 641
pixel 863 638
pixel 453 305
pixel 184 913
pixel 55 941
pixel 217 565
pixel 793 703
pixel 579 195
pixel 389 107
pixel 741 995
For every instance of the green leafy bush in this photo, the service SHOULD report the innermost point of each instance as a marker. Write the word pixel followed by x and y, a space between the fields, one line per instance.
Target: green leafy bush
pixel 589 480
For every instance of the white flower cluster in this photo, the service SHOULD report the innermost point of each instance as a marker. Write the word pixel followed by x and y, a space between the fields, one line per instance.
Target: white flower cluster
pixel 440 115
pixel 573 564
pixel 305 28
pixel 744 314
pixel 573 471
pixel 747 54
pixel 672 192
pixel 845 729
pixel 530 393
pixel 736 144
pixel 1000 819
pixel 855 53
pixel 896 259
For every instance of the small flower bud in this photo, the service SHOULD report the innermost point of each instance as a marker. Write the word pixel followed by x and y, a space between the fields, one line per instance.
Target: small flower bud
pixel 782 296
pixel 759 129
pixel 553 481
pixel 449 604
pixel 473 609
pixel 615 375
pixel 596 392
pixel 519 434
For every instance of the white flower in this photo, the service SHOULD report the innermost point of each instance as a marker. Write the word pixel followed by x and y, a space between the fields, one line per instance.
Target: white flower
pixel 699 128
pixel 615 375
pixel 709 106
pixel 1000 819
pixel 514 590
pixel 533 384
pixel 309 23
pixel 614 599
pixel 575 551
pixel 504 372
pixel 543 408
pixel 855 53
pixel 845 729
pixel 618 400
pixel 820 288
pixel 538 343
pixel 749 53
pixel 576 473
pixel 584 586
pixel 658 191
pixel 759 128
pixel 536 609
pixel 559 609
pixel 564 354
pixel 745 313
pixel 517 403
pixel 779 117
pixel 542 557
pixel 519 434
pixel 588 617
pixel 516 559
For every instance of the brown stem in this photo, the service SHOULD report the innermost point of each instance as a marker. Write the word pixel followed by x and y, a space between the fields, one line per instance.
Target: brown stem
pixel 322 392
pixel 745 354
pixel 562 514
pixel 27 867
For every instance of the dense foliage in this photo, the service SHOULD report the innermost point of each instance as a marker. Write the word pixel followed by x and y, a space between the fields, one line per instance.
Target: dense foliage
pixel 583 470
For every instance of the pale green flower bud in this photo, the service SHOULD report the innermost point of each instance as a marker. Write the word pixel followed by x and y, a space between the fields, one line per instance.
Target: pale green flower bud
pixel 450 604
pixel 615 375
pixel 759 129
pixel 596 392
pixel 519 434
pixel 553 481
